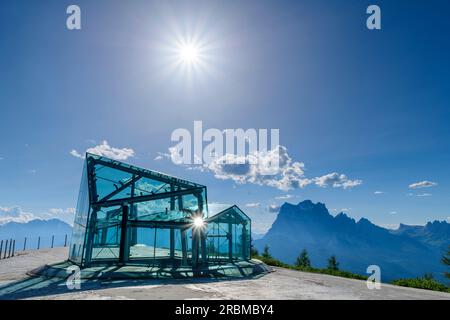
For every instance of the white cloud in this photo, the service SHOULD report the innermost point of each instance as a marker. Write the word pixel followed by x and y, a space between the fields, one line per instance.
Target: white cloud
pixel 258 169
pixel 336 180
pixel 75 153
pixel 424 195
pixel 287 196
pixel 17 214
pixel 14 214
pixel 419 194
pixel 422 184
pixel 273 208
pixel 254 169
pixel 162 155
pixel 392 226
pixel 393 212
pixel 105 150
pixel 378 192
pixel 343 210
pixel 253 204
pixel 66 215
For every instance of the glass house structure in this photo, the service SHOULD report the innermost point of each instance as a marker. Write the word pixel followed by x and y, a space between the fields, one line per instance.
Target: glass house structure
pixel 129 215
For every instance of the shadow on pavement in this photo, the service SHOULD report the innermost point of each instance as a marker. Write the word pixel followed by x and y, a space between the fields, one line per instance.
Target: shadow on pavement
pixel 39 285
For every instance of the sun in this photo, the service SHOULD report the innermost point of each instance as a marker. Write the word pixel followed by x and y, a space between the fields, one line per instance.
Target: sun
pixel 189 54
pixel 189 57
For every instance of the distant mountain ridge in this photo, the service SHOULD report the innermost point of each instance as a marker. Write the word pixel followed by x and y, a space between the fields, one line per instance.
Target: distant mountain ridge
pixel 435 234
pixel 409 251
pixel 35 229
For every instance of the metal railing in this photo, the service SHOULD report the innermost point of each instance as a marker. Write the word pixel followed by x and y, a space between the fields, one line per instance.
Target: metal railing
pixel 9 247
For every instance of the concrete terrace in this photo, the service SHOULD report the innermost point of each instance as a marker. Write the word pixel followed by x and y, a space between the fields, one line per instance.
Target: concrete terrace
pixel 15 283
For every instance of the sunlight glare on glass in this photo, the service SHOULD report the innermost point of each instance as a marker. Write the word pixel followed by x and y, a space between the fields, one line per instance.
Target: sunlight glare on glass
pixel 198 222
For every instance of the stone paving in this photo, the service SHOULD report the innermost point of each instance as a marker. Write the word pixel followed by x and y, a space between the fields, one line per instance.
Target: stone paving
pixel 280 284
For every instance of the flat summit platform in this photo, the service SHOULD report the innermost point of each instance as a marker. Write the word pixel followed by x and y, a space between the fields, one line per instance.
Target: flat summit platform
pixel 241 269
pixel 17 282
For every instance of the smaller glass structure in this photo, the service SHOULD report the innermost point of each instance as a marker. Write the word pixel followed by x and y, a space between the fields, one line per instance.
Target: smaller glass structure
pixel 129 215
pixel 228 236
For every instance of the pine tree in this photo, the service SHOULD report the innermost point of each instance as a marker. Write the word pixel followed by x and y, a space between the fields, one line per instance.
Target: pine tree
pixel 333 264
pixel 253 251
pixel 266 253
pixel 303 260
pixel 446 261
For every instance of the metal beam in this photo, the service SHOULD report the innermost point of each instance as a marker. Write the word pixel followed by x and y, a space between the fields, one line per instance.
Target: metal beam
pixel 148 174
pixel 149 197
pixel 160 224
pixel 195 245
pixel 122 187
pixel 203 246
pixel 230 241
pixel 183 247
pixel 123 252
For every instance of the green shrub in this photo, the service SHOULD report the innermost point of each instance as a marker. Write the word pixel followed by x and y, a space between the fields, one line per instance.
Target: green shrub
pixel 427 282
pixel 421 283
pixel 270 261
pixel 339 273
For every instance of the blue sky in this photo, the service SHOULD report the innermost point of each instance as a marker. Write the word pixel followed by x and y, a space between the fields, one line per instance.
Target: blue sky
pixel 372 105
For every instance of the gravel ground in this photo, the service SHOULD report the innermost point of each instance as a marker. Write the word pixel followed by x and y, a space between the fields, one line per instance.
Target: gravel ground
pixel 280 284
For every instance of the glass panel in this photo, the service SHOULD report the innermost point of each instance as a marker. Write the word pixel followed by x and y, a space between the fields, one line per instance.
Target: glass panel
pixel 168 209
pixel 154 243
pixel 162 243
pixel 157 210
pixel 143 248
pixel 81 215
pixel 107 232
pixel 77 242
pixel 145 186
pixel 109 180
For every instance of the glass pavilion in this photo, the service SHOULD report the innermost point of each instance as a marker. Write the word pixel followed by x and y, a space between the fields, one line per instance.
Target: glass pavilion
pixel 130 215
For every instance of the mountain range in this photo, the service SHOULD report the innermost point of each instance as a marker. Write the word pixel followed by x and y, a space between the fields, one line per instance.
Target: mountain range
pixel 35 229
pixel 409 251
